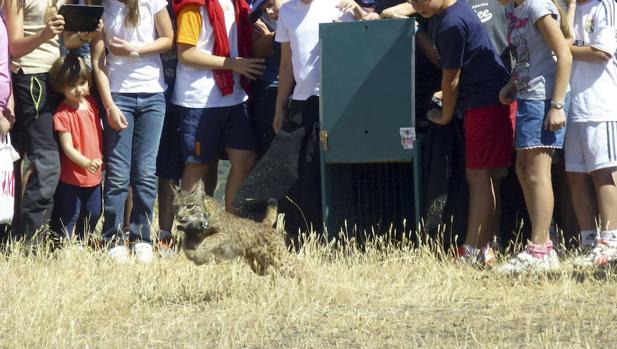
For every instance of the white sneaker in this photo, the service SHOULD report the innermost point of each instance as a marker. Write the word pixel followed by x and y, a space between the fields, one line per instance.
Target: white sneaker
pixel 143 252
pixel 527 262
pixel 119 254
pixel 602 254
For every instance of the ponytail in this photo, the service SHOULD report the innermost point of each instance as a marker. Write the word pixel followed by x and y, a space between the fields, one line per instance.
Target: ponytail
pixel 131 17
pixel 563 21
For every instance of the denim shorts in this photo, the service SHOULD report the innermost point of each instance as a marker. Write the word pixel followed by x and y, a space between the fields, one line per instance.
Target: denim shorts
pixel 530 132
pixel 207 132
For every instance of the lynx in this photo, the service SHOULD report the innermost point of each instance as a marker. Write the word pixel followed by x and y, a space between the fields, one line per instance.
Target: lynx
pixel 210 231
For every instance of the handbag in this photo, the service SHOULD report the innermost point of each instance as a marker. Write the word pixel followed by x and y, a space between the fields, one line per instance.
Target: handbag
pixel 8 155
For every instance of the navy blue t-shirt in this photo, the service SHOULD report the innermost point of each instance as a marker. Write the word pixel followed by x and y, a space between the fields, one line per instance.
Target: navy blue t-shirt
pixel 462 42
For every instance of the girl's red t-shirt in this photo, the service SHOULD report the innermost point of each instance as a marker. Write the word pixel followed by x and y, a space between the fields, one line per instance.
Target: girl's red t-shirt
pixel 87 134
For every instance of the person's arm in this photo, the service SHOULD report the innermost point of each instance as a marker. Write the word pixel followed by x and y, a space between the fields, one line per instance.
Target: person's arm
pixel 7 117
pixel 115 117
pixel 66 142
pixel 19 45
pixel 508 93
pixel 347 5
pixel 189 23
pixel 426 46
pixel 570 17
pixel 553 36
pixel 163 42
pixel 589 54
pixel 191 56
pixel 75 40
pixel 450 82
pixel 285 88
pixel 263 40
pixel 403 10
pixel 600 52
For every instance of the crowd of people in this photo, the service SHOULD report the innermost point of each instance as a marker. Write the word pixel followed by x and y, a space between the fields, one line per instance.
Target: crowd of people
pixel 110 119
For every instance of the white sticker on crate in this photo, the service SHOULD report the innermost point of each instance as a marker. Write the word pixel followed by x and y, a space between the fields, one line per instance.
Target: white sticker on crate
pixel 408 137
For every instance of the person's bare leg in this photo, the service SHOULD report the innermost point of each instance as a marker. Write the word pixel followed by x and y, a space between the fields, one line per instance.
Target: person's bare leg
pixel 533 167
pixel 193 173
pixel 242 163
pixel 606 192
pixel 583 199
pixel 481 207
pixel 496 180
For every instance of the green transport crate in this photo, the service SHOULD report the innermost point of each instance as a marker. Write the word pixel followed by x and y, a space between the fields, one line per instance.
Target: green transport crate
pixel 367 110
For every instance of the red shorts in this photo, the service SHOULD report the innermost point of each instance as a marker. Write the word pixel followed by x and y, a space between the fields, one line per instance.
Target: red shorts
pixel 489 136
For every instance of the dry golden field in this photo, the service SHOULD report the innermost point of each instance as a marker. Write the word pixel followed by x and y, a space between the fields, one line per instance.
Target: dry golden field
pixel 380 298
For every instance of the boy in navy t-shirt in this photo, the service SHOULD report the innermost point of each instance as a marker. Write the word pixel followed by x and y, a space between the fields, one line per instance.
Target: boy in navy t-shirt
pixel 472 76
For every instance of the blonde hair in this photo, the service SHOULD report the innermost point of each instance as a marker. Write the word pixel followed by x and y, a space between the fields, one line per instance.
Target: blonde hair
pixel 131 17
pixel 563 22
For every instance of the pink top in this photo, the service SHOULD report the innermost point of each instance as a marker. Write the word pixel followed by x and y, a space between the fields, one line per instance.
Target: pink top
pixel 5 66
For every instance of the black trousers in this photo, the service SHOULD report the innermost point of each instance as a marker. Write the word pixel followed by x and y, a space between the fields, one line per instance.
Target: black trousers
pixel 302 204
pixel 33 135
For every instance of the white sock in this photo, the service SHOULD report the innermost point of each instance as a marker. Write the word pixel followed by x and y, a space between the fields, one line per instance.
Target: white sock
pixel 588 238
pixel 610 235
pixel 471 250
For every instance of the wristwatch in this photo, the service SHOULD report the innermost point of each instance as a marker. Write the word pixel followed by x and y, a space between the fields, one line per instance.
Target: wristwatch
pixel 135 54
pixel 557 104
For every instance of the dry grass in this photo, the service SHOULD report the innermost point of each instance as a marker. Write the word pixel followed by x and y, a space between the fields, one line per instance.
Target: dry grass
pixel 381 298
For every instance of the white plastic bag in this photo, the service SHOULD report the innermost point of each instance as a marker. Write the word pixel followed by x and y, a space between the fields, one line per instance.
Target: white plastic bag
pixel 7 179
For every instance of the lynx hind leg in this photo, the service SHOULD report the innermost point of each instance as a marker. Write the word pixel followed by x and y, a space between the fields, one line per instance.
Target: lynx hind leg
pixel 258 265
pixel 217 245
pixel 271 212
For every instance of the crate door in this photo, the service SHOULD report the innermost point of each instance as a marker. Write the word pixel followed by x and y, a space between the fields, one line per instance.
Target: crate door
pixel 366 90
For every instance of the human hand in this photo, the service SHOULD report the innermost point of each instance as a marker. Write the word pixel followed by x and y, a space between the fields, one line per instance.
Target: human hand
pixel 5 124
pixel 101 26
pixel 116 118
pixel 371 16
pixel 120 47
pixel 279 118
pixel 435 116
pixel 507 94
pixel 554 120
pixel 88 36
pixel 346 5
pixel 94 165
pixel 260 28
pixel 9 115
pixel 53 27
pixel 248 67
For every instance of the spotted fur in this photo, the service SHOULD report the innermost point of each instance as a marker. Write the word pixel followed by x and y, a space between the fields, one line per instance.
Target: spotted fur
pixel 210 231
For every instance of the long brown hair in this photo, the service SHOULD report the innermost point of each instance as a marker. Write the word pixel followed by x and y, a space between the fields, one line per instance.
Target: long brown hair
pixel 563 22
pixel 131 17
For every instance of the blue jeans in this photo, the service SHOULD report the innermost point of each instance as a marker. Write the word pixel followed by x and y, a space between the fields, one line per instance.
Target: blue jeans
pixel 76 210
pixel 131 160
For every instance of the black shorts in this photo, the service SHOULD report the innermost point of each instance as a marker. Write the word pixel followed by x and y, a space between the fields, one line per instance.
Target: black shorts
pixel 169 163
pixel 207 132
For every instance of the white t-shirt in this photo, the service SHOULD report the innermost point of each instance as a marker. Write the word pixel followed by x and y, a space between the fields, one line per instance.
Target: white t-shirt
pixel 298 24
pixel 130 75
pixel 594 84
pixel 196 88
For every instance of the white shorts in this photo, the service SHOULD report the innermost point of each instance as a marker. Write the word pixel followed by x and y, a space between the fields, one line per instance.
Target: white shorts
pixel 591 146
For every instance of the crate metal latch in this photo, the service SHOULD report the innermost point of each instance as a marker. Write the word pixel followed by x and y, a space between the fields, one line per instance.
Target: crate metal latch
pixel 323 138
